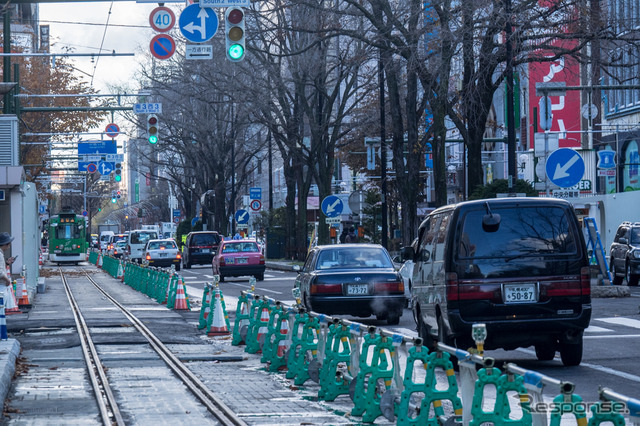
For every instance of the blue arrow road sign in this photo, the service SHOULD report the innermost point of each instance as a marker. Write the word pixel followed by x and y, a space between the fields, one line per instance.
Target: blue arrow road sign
pixel 332 206
pixel 94 148
pixel 105 167
pixel 198 24
pixel 565 167
pixel 242 216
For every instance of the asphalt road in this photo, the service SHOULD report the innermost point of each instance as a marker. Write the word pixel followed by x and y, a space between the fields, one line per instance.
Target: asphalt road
pixel 611 347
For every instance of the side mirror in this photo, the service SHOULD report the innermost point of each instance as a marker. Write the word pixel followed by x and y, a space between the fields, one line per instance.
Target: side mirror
pixel 407 253
pixel 623 240
pixel 297 268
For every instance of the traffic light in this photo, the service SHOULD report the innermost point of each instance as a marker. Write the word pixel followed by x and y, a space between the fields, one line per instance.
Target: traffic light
pixel 113 197
pixel 118 172
pixel 234 33
pixel 152 128
pixel 118 195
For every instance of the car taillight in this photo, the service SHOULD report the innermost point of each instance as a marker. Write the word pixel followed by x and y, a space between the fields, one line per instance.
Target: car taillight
pixel 585 280
pixel 261 260
pixel 222 262
pixel 178 256
pixel 451 281
pixel 115 251
pixel 390 287
pixel 326 288
pixel 148 256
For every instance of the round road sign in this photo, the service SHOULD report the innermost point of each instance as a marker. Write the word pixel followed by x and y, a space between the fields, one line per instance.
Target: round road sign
pixel 162 19
pixel 255 205
pixel 91 167
pixel 84 213
pixel 162 46
pixel 112 130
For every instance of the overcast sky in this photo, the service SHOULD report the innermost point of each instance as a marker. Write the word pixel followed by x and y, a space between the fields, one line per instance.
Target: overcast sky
pixel 128 32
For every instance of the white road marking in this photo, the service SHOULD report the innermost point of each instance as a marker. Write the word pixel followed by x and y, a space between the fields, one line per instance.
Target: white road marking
pixel 596 329
pixel 621 321
pixel 613 336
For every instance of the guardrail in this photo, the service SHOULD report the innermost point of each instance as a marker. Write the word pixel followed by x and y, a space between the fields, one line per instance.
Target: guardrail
pixel 377 369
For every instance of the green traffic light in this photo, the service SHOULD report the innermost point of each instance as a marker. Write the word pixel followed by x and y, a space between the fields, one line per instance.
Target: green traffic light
pixel 153 139
pixel 113 200
pixel 236 51
pixel 118 178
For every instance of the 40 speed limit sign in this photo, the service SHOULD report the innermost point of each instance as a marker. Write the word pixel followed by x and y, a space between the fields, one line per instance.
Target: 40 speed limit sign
pixel 162 19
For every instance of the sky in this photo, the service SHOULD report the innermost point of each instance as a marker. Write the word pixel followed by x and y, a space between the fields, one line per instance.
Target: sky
pixel 83 27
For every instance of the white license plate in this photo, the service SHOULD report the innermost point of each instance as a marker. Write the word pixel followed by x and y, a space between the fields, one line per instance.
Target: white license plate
pixel 520 293
pixel 163 254
pixel 356 289
pixel 205 250
pixel 242 260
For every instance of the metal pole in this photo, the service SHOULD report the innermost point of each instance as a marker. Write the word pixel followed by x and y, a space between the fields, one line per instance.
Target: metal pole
pixel 511 127
pixel 383 155
pixel 6 62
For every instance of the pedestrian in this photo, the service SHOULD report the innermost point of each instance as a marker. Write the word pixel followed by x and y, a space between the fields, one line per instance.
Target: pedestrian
pixel 343 235
pixel 351 236
pixel 9 298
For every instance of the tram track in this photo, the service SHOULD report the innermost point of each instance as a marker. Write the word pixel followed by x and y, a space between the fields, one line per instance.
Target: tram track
pixel 110 413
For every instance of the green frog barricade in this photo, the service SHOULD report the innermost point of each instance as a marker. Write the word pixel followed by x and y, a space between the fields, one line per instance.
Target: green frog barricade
pixel 93 257
pixel 164 286
pixel 343 359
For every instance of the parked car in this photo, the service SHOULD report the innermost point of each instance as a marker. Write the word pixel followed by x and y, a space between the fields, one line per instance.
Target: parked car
pixel 162 252
pixel 518 265
pixel 199 248
pixel 624 260
pixel 238 258
pixel 112 241
pixel 136 241
pixel 118 249
pixel 352 279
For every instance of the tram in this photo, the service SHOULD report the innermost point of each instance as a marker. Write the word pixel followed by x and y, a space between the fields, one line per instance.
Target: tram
pixel 67 237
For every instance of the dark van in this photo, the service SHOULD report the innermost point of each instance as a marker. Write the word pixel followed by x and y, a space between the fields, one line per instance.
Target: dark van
pixel 199 248
pixel 517 265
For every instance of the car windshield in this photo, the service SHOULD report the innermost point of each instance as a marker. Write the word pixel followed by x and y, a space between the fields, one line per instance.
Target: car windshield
pixel 634 238
pixel 161 245
pixel 240 247
pixel 523 231
pixel 204 240
pixel 361 258
pixel 142 237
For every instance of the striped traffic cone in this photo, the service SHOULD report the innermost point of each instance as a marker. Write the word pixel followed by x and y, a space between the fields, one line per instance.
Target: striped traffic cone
pixel 181 300
pixel 3 321
pixel 206 305
pixel 282 344
pixel 11 302
pixel 120 273
pixel 23 301
pixel 218 325
pixel 99 262
pixel 262 331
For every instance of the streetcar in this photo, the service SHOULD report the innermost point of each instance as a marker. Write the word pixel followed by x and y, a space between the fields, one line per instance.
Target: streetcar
pixel 67 237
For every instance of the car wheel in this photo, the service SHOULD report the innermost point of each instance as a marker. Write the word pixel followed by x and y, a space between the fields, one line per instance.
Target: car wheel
pixel 616 280
pixel 571 353
pixel 177 267
pixel 442 337
pixel 221 278
pixel 306 303
pixel 423 332
pixel 632 279
pixel 545 351
pixel 260 277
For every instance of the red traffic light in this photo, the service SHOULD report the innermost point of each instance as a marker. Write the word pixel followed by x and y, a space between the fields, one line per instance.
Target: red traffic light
pixel 235 16
pixel 153 120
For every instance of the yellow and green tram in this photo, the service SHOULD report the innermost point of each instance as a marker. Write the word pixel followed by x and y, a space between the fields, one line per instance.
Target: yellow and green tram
pixel 67 237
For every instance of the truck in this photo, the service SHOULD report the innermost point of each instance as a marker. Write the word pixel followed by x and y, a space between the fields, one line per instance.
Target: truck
pixel 168 229
pixel 154 228
pixel 113 227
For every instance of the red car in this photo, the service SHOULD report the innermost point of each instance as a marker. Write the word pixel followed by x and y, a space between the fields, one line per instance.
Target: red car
pixel 237 258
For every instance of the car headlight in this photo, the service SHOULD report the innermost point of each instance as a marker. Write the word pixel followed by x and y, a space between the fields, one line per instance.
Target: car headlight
pixel 636 253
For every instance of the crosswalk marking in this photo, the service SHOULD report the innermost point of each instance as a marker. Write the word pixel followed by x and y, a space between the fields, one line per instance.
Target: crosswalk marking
pixel 621 321
pixel 596 329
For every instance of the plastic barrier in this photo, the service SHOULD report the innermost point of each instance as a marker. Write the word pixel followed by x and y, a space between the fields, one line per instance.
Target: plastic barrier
pixel 304 347
pixel 337 351
pixel 241 321
pixel 258 321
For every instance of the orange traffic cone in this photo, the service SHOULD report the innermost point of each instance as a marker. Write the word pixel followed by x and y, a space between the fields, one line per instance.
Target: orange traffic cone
pixel 282 344
pixel 124 268
pixel 40 262
pixel 24 295
pixel 181 300
pixel 218 324
pixel 262 331
pixel 10 300
pixel 99 262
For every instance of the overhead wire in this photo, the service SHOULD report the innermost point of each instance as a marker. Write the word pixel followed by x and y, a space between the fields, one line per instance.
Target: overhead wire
pixel 104 34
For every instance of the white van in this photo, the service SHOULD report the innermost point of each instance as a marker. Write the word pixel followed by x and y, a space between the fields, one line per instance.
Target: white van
pixel 105 236
pixel 136 240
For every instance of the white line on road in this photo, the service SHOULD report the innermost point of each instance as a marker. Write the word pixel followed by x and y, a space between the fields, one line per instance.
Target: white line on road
pixel 596 329
pixel 621 321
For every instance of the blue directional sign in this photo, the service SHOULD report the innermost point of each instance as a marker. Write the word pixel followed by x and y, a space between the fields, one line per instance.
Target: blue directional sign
pixel 565 167
pixel 94 149
pixel 105 168
pixel 242 216
pixel 255 193
pixel 198 24
pixel 332 206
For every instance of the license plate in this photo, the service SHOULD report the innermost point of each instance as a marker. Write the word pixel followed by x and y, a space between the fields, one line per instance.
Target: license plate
pixel 520 293
pixel 356 289
pixel 163 254
pixel 205 250
pixel 242 260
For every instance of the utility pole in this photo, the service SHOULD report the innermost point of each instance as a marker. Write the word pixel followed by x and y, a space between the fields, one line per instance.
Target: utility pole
pixel 511 126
